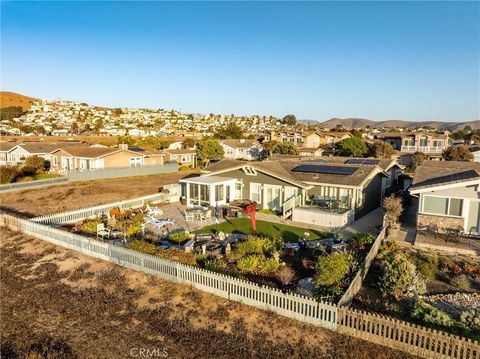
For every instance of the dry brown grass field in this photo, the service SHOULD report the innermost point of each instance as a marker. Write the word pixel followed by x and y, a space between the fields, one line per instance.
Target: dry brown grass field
pixel 48 200
pixel 58 303
pixel 8 99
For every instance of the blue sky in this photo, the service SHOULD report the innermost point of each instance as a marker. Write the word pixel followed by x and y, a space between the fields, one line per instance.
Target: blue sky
pixel 317 60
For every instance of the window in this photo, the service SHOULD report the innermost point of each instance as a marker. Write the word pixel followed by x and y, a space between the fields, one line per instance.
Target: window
pixel 256 192
pixel 250 171
pixel 388 182
pixel 238 190
pixel 219 193
pixel 135 161
pixel 443 206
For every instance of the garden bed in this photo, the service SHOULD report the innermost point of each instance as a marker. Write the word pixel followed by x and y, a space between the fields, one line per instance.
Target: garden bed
pixel 444 283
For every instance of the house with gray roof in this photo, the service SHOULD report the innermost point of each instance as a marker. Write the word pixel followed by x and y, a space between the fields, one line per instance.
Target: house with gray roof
pixel 329 191
pixel 242 149
pixel 449 196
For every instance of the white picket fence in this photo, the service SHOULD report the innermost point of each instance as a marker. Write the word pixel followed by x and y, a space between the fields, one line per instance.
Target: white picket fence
pixel 76 215
pixel 290 305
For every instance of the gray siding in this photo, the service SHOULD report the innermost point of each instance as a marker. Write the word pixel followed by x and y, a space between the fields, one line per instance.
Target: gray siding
pixel 258 178
pixel 372 196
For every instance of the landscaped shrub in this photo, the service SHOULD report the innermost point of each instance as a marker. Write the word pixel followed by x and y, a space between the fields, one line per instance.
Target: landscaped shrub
pixel 8 174
pixel 248 263
pixel 461 282
pixel 286 275
pixel 36 162
pixel 393 207
pixel 268 264
pixel 89 225
pixel 427 264
pixel 114 212
pixel 386 249
pixel 399 277
pixel 143 246
pixel 131 226
pixel 431 315
pixel 253 245
pixel 178 255
pixel 332 272
pixel 360 241
pixel 178 237
pixel 215 265
pixel 471 319
pixel 28 171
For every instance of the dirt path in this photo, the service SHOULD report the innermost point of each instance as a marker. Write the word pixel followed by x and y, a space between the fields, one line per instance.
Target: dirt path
pixel 67 305
pixel 43 201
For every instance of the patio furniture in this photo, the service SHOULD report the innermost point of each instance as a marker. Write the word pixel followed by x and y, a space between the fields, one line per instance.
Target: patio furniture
pixel 206 216
pixel 154 211
pixel 453 234
pixel 102 231
pixel 433 231
pixel 188 216
pixel 159 223
pixel 473 232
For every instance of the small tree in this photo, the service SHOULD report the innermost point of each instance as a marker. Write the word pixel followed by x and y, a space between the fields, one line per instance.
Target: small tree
pixel 352 146
pixel 418 158
pixel 393 207
pixel 360 241
pixel 36 162
pixel 285 148
pixel 457 153
pixel 269 146
pixel 8 174
pixel 332 272
pixel 381 150
pixel 208 150
pixel 285 275
pixel 399 277
pixel 231 130
pixel 289 120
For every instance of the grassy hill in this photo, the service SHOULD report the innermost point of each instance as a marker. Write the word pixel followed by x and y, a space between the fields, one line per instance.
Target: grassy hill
pixel 362 123
pixel 9 99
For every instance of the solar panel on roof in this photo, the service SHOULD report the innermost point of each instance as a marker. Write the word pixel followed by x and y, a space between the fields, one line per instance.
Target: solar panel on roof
pixel 334 170
pixel 362 161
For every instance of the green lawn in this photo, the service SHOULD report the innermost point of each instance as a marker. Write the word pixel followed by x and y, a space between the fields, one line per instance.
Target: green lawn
pixel 243 226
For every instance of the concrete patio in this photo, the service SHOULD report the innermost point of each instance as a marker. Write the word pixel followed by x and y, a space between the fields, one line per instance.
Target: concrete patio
pixel 175 211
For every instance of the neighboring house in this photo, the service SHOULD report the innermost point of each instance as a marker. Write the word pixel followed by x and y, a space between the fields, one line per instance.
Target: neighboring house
pixel 310 152
pixel 5 148
pixel 312 140
pixel 60 132
pixel 330 192
pixel 177 145
pixel 184 157
pixel 449 195
pixel 82 158
pixel 242 149
pixel 331 138
pixel 475 151
pixel 293 137
pixel 431 144
pixel 22 151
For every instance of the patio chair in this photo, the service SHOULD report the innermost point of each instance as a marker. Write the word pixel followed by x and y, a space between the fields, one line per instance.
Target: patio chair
pixel 188 216
pixel 154 211
pixel 206 215
pixel 102 231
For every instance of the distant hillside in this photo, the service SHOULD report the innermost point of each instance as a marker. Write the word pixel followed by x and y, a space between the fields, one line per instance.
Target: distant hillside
pixel 8 99
pixel 362 123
